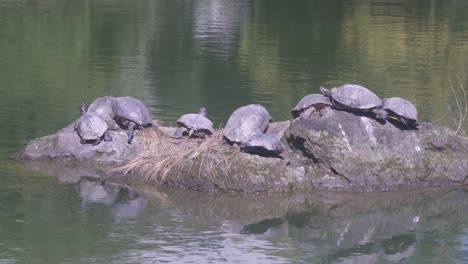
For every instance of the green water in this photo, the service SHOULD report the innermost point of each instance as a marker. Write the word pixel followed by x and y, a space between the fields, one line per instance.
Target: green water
pixel 178 55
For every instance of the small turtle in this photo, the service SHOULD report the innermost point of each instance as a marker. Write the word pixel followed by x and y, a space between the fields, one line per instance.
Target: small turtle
pixel 103 108
pixel 264 145
pixel 131 113
pixel 401 110
pixel 309 104
pixel 194 124
pixel 246 122
pixel 91 127
pixel 354 97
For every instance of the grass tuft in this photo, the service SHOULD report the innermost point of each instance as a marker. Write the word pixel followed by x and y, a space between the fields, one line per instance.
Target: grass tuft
pixel 161 154
pixel 462 106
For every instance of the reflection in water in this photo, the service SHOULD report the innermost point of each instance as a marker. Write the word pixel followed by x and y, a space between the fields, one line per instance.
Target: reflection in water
pixel 216 26
pixel 330 227
pixel 262 226
pixel 336 227
pixel 125 202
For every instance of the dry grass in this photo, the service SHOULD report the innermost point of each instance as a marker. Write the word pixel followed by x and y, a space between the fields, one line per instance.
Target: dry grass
pixel 462 106
pixel 161 154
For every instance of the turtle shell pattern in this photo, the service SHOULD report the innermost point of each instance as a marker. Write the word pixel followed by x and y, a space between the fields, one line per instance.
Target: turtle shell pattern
pixel 90 126
pixel 131 109
pixel 245 122
pixel 401 107
pixel 309 101
pixel 264 144
pixel 197 122
pixel 103 108
pixel 355 97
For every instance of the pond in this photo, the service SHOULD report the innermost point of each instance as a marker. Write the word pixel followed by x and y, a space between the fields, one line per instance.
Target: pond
pixel 178 55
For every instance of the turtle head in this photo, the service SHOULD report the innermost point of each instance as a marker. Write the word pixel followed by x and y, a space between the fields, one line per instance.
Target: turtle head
pixel 203 111
pixel 325 91
pixel 82 108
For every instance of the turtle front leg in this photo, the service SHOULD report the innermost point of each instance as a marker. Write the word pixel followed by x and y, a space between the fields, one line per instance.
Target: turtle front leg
pixel 307 113
pixel 380 113
pixel 191 131
pixel 107 136
pixel 130 129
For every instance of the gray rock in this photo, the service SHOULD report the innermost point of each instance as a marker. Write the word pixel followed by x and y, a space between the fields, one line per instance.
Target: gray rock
pixel 340 151
pixel 65 145
pixel 357 153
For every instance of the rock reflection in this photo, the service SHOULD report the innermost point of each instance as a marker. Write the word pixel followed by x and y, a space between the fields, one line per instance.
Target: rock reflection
pixel 125 202
pixel 336 227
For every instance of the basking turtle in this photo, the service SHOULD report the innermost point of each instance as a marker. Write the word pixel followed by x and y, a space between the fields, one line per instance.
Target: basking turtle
pixel 263 145
pixel 194 124
pixel 131 113
pixel 401 110
pixel 91 127
pixel 103 108
pixel 309 104
pixel 354 97
pixel 246 122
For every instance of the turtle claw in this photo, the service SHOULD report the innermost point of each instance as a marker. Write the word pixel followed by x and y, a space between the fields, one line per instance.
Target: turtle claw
pixel 97 142
pixel 130 129
pixel 107 136
pixel 191 131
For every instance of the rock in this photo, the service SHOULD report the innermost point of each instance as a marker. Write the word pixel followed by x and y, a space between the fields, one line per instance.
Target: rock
pixel 241 172
pixel 278 129
pixel 339 151
pixel 65 145
pixel 357 153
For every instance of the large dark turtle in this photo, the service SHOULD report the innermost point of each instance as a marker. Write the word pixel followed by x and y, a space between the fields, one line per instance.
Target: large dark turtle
pixel 355 98
pixel 401 110
pixel 131 113
pixel 245 122
pixel 309 104
pixel 92 128
pixel 264 145
pixel 194 124
pixel 102 107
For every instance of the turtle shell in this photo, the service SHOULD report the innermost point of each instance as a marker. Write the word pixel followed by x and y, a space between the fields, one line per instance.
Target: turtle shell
pixel 401 107
pixel 197 122
pixel 90 126
pixel 103 108
pixel 245 122
pixel 355 97
pixel 131 109
pixel 264 144
pixel 317 101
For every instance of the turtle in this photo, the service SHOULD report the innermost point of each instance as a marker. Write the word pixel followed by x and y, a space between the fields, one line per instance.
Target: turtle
pixel 245 122
pixel 194 124
pixel 308 104
pixel 102 107
pixel 131 113
pixel 264 145
pixel 91 127
pixel 355 98
pixel 401 110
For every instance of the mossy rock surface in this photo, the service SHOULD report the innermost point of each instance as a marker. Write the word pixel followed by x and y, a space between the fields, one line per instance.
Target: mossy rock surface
pixel 357 153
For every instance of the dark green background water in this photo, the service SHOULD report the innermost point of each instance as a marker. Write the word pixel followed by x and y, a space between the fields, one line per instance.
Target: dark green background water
pixel 176 56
